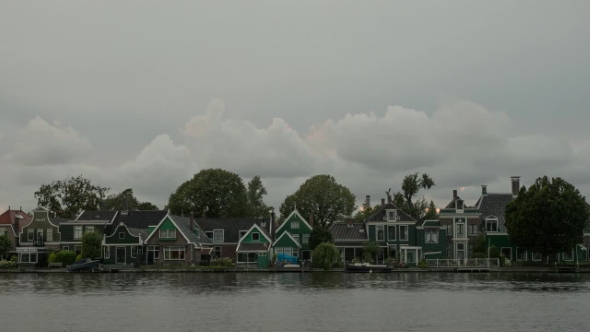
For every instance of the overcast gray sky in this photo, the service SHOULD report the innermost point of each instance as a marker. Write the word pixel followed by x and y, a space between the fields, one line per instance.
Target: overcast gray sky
pixel 143 94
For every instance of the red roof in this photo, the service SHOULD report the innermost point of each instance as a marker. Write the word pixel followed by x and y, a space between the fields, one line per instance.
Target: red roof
pixel 9 216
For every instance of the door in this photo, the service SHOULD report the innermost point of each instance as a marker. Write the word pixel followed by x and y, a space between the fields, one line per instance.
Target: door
pixel 150 257
pixel 121 255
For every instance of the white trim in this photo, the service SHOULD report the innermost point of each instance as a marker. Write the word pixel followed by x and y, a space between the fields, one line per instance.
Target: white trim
pixel 490 219
pixel 400 233
pixel 289 216
pixel 432 253
pixel 404 223
pixel 65 242
pixel 495 233
pixel 222 235
pixel 568 260
pixel 289 235
pixel 175 225
pixel 259 229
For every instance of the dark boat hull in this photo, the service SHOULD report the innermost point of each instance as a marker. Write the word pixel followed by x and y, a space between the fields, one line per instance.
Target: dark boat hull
pixel 86 266
pixel 368 269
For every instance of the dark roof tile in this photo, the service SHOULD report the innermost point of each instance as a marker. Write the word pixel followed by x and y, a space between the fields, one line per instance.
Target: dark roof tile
pixel 342 231
pixel 380 213
pixel 494 205
pixel 233 226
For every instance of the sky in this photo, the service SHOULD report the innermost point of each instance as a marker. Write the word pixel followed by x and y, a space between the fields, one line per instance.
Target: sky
pixel 144 94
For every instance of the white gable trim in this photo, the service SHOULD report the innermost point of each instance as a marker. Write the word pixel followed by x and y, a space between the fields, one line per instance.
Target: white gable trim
pixel 289 235
pixel 289 216
pixel 117 233
pixel 263 232
pixel 175 225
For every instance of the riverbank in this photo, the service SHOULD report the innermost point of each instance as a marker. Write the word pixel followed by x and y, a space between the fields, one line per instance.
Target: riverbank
pixel 200 269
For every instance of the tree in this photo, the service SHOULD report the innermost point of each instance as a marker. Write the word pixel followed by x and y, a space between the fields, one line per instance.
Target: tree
pixel 321 196
pixel 548 218
pixel 213 192
pixel 126 200
pixel 91 245
pixel 67 197
pixel 370 252
pixel 319 234
pixel 326 255
pixel 365 212
pixel 5 245
pixel 411 186
pixel 256 193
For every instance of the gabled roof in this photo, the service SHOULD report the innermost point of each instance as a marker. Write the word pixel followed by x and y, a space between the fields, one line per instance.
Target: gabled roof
pixel 246 247
pixel 9 216
pixel 264 232
pixel 138 222
pixel 288 235
pixel 295 212
pixel 380 213
pixel 121 224
pixel 342 231
pixel 494 205
pixel 232 226
pixel 10 227
pixel 53 221
pixel 183 223
pixel 96 216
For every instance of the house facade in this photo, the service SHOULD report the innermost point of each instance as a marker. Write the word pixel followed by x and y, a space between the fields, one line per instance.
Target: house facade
pixel 462 226
pixel 292 236
pixel 39 238
pixel 253 249
pixel 85 222
pixel 11 223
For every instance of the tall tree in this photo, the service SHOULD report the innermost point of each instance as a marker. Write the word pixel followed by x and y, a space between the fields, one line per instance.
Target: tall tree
pixel 91 245
pixel 213 192
pixel 5 246
pixel 256 193
pixel 126 200
pixel 411 186
pixel 321 196
pixel 67 197
pixel 549 217
pixel 319 234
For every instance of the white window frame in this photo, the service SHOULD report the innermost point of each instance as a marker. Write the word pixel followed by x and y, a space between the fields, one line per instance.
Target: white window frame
pixel 294 224
pixel 431 234
pixel 156 250
pixel 460 225
pixel 394 233
pixel 66 248
pixel 469 227
pixel 77 235
pixel 518 250
pixel 133 254
pixel 305 239
pixel 169 249
pixel 169 234
pixel 296 237
pixel 492 221
pixel 534 259
pixel 28 255
pixel 3 231
pixel 257 235
pixel 218 235
pixel 214 251
pixel 449 228
pixel 407 233
pixel 49 236
pixel 377 228
pixel 89 229
pixel 106 252
pixel 121 235
pixel 30 235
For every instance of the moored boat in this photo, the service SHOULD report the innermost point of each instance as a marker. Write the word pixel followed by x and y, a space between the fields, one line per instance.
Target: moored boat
pixel 368 268
pixel 84 264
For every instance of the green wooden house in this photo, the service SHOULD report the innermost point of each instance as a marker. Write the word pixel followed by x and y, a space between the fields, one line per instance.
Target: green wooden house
pixel 86 222
pixel 39 238
pixel 292 236
pixel 254 248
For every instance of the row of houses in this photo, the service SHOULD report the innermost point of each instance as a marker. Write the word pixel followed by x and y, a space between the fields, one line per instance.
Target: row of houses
pixel 154 237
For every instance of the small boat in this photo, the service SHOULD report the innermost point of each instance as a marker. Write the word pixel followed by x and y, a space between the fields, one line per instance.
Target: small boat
pixel 83 265
pixel 368 268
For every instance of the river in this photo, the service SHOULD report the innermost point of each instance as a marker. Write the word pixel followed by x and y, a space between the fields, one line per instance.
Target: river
pixel 294 302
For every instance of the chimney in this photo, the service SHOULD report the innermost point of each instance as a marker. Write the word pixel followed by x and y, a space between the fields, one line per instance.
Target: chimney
pixel 368 200
pixel 484 189
pixel 454 193
pixel 382 201
pixel 192 222
pixel 311 220
pixel 515 185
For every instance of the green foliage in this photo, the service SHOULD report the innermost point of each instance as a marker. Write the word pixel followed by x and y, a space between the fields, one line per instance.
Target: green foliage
pixel 423 264
pixel 14 258
pixel 66 257
pixel 480 244
pixel 370 252
pixel 479 255
pixel 325 256
pixel 223 262
pixel 365 212
pixel 256 193
pixel 5 245
pixel 147 206
pixel 319 234
pixel 213 192
pixel 549 217
pixel 126 200
pixel 91 245
pixel 494 252
pixel 67 197
pixel 323 197
pixel 52 258
pixel 411 186
pixel 79 257
pixel 4 264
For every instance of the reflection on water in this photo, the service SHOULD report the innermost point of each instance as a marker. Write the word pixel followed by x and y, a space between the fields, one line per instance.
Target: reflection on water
pixel 294 302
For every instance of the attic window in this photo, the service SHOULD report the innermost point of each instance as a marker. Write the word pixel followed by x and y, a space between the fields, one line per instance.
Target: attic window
pixel 391 215
pixel 491 225
pixel 459 204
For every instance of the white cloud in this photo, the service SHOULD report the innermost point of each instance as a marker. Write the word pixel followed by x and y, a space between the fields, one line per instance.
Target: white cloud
pixel 461 145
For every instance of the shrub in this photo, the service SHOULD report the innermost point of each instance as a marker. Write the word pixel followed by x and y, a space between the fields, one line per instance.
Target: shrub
pixel 14 258
pixel 65 257
pixel 478 255
pixel 52 258
pixel 494 252
pixel 7 264
pixel 79 257
pixel 326 255
pixel 423 264
pixel 224 262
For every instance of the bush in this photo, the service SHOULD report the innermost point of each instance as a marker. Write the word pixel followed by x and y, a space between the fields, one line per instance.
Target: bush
pixel 7 264
pixel 478 255
pixel 65 257
pixel 494 252
pixel 224 262
pixel 14 258
pixel 423 264
pixel 79 257
pixel 52 258
pixel 326 255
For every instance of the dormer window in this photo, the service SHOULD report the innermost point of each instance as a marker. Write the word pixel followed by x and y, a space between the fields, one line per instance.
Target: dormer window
pixel 459 205
pixel 391 215
pixel 492 225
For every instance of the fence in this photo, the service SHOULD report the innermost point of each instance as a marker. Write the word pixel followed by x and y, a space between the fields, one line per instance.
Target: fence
pixel 491 263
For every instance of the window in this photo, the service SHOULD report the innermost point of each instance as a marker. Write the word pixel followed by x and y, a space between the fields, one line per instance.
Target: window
pixel 392 215
pixel 121 235
pixel 449 229
pixel 305 238
pixel 568 256
pixel 255 236
pixel 403 233
pixel 295 252
pixel 242 233
pixel 27 257
pixel 506 251
pixel 89 229
pixel 209 234
pixel 173 253
pixel 431 236
pixel 391 233
pixel 196 232
pixel 216 253
pixel 537 256
pixel 31 235
pixel 460 224
pixel 155 252
pixel 459 204
pixel 380 233
pixel 294 224
pixel 449 250
pixel 168 234
pixel 77 232
pixel 49 236
pixel 106 252
pixel 296 237
pixel 470 250
pixel 472 229
pixel 67 248
pixel 520 254
pixel 218 235
pixel 2 231
pixel 491 225
pixel 133 251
